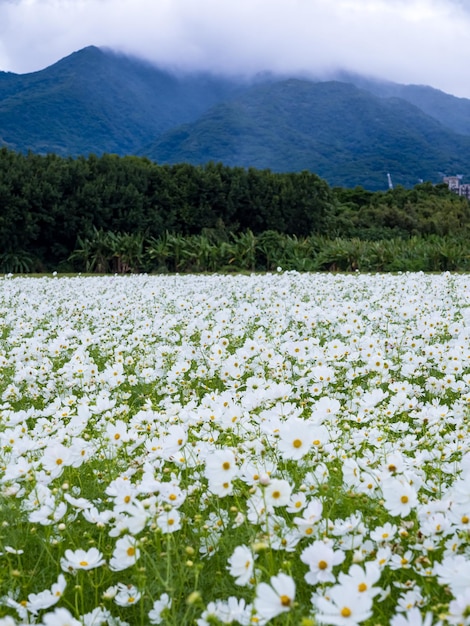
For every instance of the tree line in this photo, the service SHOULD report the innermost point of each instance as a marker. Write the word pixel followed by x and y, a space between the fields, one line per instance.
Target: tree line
pixel 58 213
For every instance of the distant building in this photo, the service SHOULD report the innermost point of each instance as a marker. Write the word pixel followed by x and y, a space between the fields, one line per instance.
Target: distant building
pixel 454 183
pixel 464 190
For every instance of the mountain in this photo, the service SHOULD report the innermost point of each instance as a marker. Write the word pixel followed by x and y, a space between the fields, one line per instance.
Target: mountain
pixel 351 131
pixel 452 112
pixel 343 133
pixel 99 101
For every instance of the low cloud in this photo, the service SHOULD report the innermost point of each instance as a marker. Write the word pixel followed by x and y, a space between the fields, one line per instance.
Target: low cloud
pixel 418 41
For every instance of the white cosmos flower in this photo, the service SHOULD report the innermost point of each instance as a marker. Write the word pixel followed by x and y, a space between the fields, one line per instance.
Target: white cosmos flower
pixel 362 580
pixel 384 533
pixel 458 609
pixel 125 553
pixel 169 521
pixel 454 571
pixel 414 617
pixel 399 497
pixel 126 595
pixel 160 605
pixel 342 605
pixel 311 515
pixel 81 559
pixel 295 438
pixel 49 513
pixel 237 434
pixel 97 617
pixel 321 557
pixel 47 598
pixel 297 502
pixel 277 492
pixel 60 617
pixel 276 598
pixel 55 458
pixel 221 465
pixel 241 565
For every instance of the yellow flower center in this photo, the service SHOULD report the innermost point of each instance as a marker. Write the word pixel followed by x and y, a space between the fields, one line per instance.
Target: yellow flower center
pixel 404 499
pixel 346 611
pixel 297 443
pixel 285 600
pixel 322 565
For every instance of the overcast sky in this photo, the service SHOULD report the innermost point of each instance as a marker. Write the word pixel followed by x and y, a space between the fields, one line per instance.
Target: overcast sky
pixel 407 41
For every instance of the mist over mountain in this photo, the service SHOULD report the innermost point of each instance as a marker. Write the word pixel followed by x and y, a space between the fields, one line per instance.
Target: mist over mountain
pixel 351 130
pixel 97 101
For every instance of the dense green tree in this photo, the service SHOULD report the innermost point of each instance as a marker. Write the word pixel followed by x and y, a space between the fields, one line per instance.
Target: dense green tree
pixel 127 213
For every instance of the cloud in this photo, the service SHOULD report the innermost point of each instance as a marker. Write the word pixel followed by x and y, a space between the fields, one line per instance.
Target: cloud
pixel 420 41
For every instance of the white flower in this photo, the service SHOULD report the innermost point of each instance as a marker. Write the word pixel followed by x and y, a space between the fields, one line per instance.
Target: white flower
pixel 221 465
pixel 81 559
pixel 97 617
pixel 126 595
pixel 241 565
pixel 295 438
pixel 362 580
pixel 400 497
pixel 278 492
pixel 321 557
pixel 55 458
pixel 221 488
pixel 47 598
pixel 343 606
pixel 60 617
pixel 414 618
pixel 13 551
pixel 276 598
pixel 384 533
pixel 50 513
pixel 459 609
pixel 160 605
pixel 169 521
pixel 455 572
pixel 297 502
pixel 125 554
pixel 311 515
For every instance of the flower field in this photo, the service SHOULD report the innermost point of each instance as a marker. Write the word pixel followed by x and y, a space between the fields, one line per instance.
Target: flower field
pixel 284 448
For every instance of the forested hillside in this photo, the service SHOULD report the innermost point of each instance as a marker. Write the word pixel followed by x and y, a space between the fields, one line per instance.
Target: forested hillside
pixel 341 132
pixel 115 213
pixel 351 131
pixel 96 101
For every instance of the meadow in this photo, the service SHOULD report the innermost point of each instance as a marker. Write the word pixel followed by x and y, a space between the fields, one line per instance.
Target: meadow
pixel 284 448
